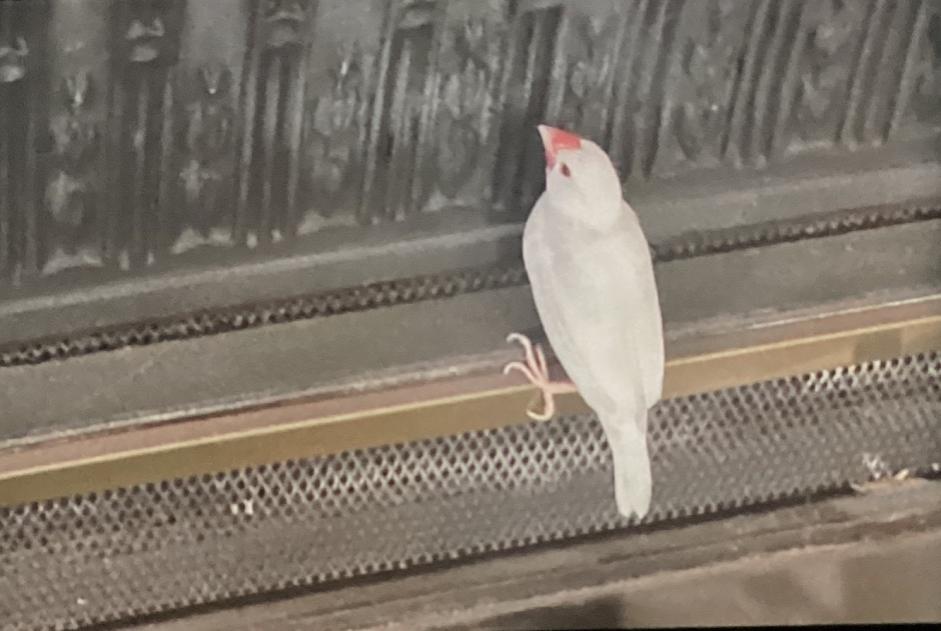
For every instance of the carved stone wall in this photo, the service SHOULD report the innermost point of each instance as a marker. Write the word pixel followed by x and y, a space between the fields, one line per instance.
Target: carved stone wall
pixel 139 137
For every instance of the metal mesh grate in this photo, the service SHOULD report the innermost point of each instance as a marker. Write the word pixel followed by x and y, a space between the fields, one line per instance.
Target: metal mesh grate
pixel 157 547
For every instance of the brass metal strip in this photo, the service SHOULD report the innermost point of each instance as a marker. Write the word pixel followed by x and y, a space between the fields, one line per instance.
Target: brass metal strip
pixel 311 428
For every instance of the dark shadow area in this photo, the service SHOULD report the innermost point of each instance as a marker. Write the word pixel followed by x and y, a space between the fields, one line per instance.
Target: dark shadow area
pixel 601 613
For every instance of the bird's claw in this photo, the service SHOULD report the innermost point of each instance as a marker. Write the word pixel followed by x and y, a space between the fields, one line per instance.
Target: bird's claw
pixel 536 370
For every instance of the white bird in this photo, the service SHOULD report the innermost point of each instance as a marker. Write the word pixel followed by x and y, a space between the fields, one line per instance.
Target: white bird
pixel 592 279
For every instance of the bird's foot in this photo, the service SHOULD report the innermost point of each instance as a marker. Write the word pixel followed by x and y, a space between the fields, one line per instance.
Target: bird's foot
pixel 536 370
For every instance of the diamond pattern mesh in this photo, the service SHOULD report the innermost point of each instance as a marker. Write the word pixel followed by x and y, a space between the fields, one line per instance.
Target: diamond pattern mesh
pixel 154 548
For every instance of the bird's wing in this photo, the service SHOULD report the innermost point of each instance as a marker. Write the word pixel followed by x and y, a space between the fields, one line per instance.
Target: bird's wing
pixel 650 347
pixel 597 302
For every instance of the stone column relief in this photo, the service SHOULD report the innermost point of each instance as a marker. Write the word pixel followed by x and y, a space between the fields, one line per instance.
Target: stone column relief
pixel 140 135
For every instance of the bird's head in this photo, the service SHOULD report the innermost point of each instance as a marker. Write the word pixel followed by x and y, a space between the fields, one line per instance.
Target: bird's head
pixel 580 178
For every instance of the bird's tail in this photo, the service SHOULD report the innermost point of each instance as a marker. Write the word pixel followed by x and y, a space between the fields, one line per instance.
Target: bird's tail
pixel 632 481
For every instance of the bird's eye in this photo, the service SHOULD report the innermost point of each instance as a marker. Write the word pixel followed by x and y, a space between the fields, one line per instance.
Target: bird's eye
pixel 566 171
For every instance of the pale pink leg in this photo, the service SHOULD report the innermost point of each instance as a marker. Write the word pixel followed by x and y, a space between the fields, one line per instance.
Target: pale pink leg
pixel 536 370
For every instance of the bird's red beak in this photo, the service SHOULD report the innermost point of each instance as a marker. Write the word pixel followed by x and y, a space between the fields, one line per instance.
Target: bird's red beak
pixel 555 140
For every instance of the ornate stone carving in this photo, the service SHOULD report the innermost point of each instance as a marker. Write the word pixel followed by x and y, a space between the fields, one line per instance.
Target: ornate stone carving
pixel 927 90
pixel 706 88
pixel 144 103
pixel 266 120
pixel 402 133
pixel 73 191
pixel 207 171
pixel 333 146
pixel 271 166
pixel 21 107
pixel 834 28
pixel 518 169
pixel 13 56
pixel 591 57
pixel 284 22
pixel 466 74
pixel 145 38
